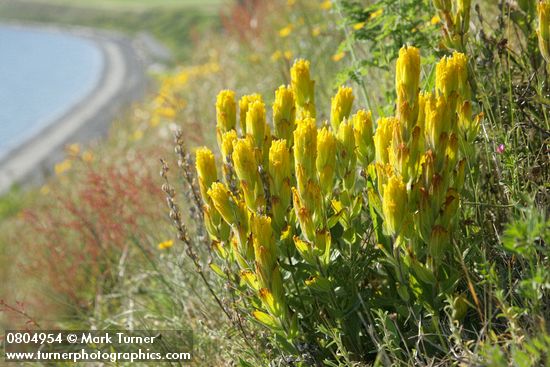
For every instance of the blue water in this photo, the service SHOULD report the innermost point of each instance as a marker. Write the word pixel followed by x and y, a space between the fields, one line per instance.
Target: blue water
pixel 42 75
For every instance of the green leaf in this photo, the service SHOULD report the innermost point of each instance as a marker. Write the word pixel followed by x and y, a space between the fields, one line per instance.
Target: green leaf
pixel 265 319
pixel 422 273
pixel 216 269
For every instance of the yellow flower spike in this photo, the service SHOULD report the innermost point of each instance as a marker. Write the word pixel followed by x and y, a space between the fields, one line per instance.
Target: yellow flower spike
pixel 383 137
pixel 407 80
pixel 451 76
pixel 326 159
pixel 228 139
pixel 244 104
pixel 543 29
pixel 438 120
pixel 226 111
pixel 246 169
pixel 303 88
pixel 363 131
pixel 256 124
pixel 347 158
pixel 230 208
pixel 280 175
pixel 340 107
pixel 305 146
pixel 222 200
pixel 207 173
pixel 394 205
pixel 284 114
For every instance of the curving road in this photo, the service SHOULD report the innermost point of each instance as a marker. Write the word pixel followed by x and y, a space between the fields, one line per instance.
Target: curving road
pixel 123 81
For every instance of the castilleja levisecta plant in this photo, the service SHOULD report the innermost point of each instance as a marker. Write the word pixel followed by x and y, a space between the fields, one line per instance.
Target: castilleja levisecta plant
pixel 291 204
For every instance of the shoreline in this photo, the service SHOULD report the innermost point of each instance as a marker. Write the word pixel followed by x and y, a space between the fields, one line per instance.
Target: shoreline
pixel 123 80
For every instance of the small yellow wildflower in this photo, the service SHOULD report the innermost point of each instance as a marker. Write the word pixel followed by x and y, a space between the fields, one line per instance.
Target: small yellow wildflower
pixel 285 31
pixel 338 56
pixel 62 167
pixel 326 5
pixel 435 20
pixel 45 190
pixel 87 156
pixel 137 135
pixel 291 2
pixel 254 58
pixel 276 55
pixel 288 54
pixel 73 149
pixel 377 13
pixel 358 26
pixel 316 31
pixel 155 121
pixel 165 244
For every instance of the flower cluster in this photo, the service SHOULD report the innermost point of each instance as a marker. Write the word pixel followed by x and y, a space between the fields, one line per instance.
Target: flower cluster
pixel 421 156
pixel 288 186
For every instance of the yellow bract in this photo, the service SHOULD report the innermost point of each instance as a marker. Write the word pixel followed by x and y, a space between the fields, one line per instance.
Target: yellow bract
pixel 340 107
pixel 305 150
pixel 244 104
pixel 206 169
pixel 394 205
pixel 303 88
pixel 326 159
pixel 165 244
pixel 284 113
pixel 246 169
pixel 226 110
